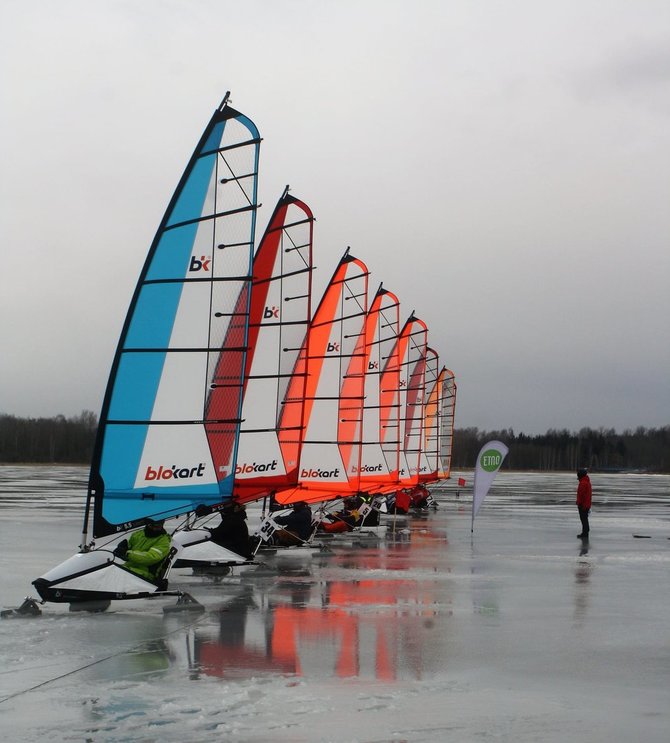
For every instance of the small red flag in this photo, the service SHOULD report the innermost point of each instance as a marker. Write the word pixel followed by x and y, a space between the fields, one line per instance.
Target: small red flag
pixel 461 482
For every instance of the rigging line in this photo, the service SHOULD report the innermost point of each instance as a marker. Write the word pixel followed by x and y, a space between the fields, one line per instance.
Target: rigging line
pixel 360 304
pixel 101 660
pixel 237 182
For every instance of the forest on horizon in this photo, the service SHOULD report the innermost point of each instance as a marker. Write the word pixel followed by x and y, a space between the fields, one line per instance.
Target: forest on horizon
pixel 62 440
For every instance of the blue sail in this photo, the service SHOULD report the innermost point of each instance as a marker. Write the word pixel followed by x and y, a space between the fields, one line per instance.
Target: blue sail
pixel 169 425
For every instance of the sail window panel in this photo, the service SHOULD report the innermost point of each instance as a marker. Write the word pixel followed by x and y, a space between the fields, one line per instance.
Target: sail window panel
pixel 239 130
pixel 224 383
pixel 232 239
pixel 236 183
pixel 236 171
pixel 179 395
pixel 229 313
pixel 296 241
pixel 290 364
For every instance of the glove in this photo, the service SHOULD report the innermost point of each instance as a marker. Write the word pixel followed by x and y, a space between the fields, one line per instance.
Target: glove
pixel 121 549
pixel 203 510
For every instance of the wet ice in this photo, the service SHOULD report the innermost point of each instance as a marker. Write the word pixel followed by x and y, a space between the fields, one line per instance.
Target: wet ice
pixel 520 632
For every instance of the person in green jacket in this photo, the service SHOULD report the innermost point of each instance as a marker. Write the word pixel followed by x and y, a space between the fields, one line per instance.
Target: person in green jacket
pixel 146 550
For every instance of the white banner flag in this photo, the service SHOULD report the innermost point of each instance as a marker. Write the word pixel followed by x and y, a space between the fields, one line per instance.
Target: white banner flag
pixel 489 461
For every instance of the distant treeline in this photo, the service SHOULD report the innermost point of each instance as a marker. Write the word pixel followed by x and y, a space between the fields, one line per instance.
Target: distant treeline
pixel 47 440
pixel 70 441
pixel 645 449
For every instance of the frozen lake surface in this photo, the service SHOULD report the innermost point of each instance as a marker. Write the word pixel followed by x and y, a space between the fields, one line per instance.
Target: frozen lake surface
pixel 519 633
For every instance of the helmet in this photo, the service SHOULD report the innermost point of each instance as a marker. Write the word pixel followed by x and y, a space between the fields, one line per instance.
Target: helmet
pixel 581 472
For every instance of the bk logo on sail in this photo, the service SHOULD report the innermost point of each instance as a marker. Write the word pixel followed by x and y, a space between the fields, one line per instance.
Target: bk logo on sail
pixel 269 312
pixel 201 264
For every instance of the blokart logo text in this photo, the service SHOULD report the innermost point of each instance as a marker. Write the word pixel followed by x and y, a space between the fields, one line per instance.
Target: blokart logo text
pixel 318 473
pixel 245 469
pixel 368 468
pixel 174 472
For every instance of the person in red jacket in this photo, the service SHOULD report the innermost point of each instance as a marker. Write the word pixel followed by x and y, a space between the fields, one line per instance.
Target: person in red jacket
pixel 584 501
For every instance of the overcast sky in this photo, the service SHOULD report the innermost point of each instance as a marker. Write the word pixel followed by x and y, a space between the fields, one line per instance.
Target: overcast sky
pixel 503 167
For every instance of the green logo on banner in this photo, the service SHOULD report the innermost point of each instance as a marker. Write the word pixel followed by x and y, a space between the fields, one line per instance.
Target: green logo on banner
pixel 491 460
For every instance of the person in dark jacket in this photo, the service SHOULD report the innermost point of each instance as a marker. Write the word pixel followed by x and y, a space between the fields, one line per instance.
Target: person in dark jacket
pixel 232 532
pixel 583 501
pixel 297 525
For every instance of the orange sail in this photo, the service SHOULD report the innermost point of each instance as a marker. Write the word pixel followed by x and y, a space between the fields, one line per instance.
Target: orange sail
pixel 380 449
pixel 430 449
pixel 412 352
pixel 446 425
pixel 333 364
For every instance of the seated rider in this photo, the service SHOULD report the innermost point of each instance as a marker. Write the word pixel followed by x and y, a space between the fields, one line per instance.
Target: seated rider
pixel 145 551
pixel 297 525
pixel 345 519
pixel 419 496
pixel 371 518
pixel 233 533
